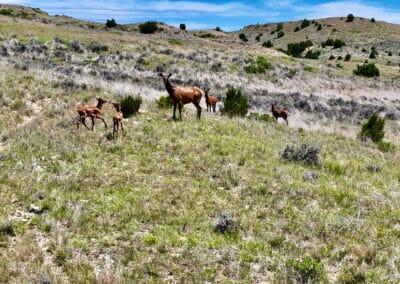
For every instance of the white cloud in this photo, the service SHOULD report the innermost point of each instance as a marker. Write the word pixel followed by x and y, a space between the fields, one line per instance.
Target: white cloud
pixel 358 9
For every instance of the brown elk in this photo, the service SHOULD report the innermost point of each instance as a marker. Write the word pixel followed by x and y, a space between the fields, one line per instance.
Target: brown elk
pixel 182 95
pixel 277 112
pixel 117 118
pixel 211 101
pixel 92 112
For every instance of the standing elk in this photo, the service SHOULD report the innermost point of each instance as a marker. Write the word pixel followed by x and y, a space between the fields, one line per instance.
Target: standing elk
pixel 117 118
pixel 211 101
pixel 182 95
pixel 92 112
pixel 277 112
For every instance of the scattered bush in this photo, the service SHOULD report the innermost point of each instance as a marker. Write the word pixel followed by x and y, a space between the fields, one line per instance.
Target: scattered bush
pixel 182 27
pixel 296 29
pixel 305 155
pixel 331 57
pixel 218 29
pixel 7 228
pixel 367 70
pixel 319 27
pixel 305 23
pixel 268 44
pixel 148 27
pixel 6 12
pixel 258 37
pixel 111 23
pixel 164 102
pixel 373 53
pixel 347 57
pixel 130 105
pixel 296 49
pixel 235 103
pixel 350 18
pixel 313 54
pixel 279 27
pixel 243 37
pixel 226 224
pixel 257 67
pixel 281 34
pixel 351 275
pixel 306 270
pixel 373 128
pixel 372 20
pixel 338 43
pixel 364 50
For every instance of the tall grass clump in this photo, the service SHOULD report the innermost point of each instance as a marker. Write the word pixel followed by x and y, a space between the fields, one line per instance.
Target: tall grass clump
pixel 130 105
pixel 367 70
pixel 305 154
pixel 235 103
pixel 373 128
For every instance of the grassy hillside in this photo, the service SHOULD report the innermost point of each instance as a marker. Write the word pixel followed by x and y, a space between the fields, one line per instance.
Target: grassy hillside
pixel 208 200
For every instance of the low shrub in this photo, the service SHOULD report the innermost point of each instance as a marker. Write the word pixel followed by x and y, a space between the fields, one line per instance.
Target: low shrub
pixel 306 270
pixel 313 54
pixel 279 27
pixel 305 154
pixel 111 23
pixel 235 103
pixel 385 146
pixel 373 128
pixel 182 27
pixel 226 224
pixel 296 49
pixel 268 44
pixel 350 18
pixel 367 70
pixel 148 27
pixel 281 34
pixel 6 12
pixel 164 102
pixel 243 37
pixel 257 67
pixel 305 23
pixel 258 37
pixel 261 117
pixel 130 105
pixel 347 57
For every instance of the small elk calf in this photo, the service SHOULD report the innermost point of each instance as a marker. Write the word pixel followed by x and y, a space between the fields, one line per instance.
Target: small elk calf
pixel 277 112
pixel 92 112
pixel 211 101
pixel 117 118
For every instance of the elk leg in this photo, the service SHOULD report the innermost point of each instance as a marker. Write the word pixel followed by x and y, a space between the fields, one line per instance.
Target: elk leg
pixel 83 121
pixel 197 104
pixel 122 128
pixel 214 108
pixel 173 114
pixel 180 111
pixel 92 117
pixel 102 119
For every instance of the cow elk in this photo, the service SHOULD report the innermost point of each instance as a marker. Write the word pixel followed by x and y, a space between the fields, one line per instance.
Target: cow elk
pixel 182 95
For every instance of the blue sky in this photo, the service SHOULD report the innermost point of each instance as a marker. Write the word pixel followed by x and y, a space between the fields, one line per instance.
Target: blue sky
pixel 228 15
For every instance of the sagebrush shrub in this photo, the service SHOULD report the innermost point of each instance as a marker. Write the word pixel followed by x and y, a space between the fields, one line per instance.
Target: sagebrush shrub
pixel 373 128
pixel 235 103
pixel 130 105
pixel 305 154
pixel 164 102
pixel 226 224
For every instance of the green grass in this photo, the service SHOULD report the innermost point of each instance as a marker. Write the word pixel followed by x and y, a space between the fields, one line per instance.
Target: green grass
pixel 149 200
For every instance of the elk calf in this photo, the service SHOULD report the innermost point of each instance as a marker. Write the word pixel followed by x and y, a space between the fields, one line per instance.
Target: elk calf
pixel 92 112
pixel 211 101
pixel 117 118
pixel 277 112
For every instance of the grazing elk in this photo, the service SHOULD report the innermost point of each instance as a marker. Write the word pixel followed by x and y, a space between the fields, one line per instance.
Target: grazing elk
pixel 117 118
pixel 277 112
pixel 211 101
pixel 92 112
pixel 182 95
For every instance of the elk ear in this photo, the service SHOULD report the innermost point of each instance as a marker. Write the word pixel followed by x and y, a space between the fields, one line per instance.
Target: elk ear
pixel 160 74
pixel 169 75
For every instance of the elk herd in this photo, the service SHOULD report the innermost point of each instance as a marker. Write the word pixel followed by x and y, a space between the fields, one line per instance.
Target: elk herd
pixel 179 95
